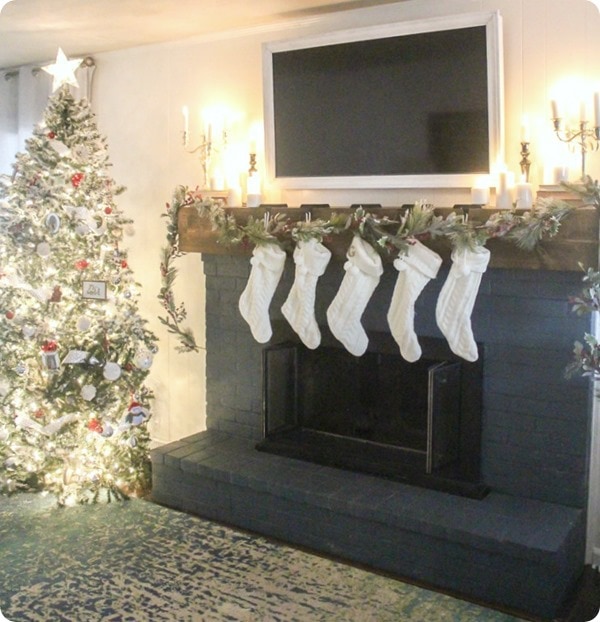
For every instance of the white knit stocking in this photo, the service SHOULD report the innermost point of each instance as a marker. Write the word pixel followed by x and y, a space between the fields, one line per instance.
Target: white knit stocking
pixel 267 267
pixel 415 270
pixel 311 259
pixel 363 271
pixel 457 298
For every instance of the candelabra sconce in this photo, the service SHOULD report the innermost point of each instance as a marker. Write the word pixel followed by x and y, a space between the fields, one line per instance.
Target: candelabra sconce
pixel 525 162
pixel 588 139
pixel 204 150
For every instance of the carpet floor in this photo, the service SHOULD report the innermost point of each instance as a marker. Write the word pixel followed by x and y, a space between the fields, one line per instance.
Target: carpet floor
pixel 137 561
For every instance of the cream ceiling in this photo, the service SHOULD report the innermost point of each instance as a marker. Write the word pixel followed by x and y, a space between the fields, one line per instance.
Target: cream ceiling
pixel 32 30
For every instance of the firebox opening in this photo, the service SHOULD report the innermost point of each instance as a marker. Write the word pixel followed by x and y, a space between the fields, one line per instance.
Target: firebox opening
pixel 414 422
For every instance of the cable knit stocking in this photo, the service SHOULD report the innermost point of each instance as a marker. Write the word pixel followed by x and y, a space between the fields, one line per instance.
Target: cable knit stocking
pixel 457 298
pixel 363 271
pixel 267 267
pixel 311 259
pixel 415 270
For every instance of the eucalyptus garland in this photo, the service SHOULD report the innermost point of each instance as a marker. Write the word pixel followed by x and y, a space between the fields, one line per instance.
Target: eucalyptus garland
pixel 389 236
pixel 586 354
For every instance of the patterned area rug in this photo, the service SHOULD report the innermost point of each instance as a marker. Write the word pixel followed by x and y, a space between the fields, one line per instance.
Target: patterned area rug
pixel 137 561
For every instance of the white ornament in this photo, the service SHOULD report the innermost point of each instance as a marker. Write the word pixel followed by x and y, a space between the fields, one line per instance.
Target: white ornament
pixel 83 323
pixel 107 430
pixel 43 249
pixel 58 424
pixel 59 147
pixel 88 392
pixel 53 222
pixel 363 271
pixel 3 435
pixel 143 359
pixel 112 371
pixel 28 331
pixel 75 357
pixel 129 230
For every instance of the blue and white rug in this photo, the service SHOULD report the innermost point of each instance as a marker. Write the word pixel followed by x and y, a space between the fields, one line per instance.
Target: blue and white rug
pixel 140 562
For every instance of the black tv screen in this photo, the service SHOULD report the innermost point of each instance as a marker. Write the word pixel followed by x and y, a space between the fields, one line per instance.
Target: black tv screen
pixel 402 107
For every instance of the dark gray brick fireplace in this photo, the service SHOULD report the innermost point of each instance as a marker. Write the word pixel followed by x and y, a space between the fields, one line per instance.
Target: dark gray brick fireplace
pixel 521 547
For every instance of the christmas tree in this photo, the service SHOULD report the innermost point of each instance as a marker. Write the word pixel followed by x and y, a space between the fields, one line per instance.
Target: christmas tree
pixel 74 350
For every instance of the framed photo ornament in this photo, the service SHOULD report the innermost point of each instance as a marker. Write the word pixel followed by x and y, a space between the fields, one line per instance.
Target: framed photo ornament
pixel 95 290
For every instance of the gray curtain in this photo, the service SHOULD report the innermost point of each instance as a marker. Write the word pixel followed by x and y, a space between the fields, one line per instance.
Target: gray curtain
pixel 24 93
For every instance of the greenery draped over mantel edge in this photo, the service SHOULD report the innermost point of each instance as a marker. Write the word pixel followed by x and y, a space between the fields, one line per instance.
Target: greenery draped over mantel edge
pixel 390 237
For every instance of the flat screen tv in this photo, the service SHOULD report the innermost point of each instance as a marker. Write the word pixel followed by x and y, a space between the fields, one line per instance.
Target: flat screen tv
pixel 412 104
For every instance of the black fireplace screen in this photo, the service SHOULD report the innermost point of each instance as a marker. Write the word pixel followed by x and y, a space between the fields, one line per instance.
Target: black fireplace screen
pixel 418 422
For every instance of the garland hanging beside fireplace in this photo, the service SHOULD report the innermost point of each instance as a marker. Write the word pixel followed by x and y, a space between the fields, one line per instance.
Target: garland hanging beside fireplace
pixel 399 238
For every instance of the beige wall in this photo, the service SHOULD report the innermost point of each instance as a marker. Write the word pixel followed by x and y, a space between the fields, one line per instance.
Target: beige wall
pixel 139 94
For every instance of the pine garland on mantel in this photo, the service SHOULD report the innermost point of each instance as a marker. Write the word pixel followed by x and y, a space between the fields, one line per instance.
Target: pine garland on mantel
pixel 388 236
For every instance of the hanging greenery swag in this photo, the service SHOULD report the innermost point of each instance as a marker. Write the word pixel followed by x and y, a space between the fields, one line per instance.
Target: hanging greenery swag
pixel 389 236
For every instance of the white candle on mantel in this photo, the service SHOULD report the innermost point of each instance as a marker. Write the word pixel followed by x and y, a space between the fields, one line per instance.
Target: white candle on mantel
pixel 597 109
pixel 504 190
pixel 524 194
pixel 480 192
pixel 480 195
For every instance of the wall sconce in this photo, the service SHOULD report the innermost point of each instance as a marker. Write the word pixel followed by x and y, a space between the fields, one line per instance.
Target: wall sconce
pixel 206 150
pixel 588 139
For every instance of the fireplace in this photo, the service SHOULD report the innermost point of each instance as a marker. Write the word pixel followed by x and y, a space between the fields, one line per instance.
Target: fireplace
pixel 378 414
pixel 520 546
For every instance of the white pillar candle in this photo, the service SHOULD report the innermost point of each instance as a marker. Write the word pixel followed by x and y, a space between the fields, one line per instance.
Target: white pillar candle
pixel 524 195
pixel 253 198
pixel 554 106
pixel 504 189
pixel 597 109
pixel 561 173
pixel 480 195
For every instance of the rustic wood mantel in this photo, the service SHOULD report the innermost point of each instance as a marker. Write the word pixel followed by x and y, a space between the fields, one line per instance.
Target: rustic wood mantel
pixel 575 244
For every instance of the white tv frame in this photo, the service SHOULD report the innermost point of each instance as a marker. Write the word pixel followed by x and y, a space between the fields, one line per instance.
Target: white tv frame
pixel 495 71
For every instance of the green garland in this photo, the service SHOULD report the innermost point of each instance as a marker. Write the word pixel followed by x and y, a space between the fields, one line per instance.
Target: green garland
pixel 389 236
pixel 586 355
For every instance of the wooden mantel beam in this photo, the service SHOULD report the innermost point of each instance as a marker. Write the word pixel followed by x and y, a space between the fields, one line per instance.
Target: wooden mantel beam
pixel 575 244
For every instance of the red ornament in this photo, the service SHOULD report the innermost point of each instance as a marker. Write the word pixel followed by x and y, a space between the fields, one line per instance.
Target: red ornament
pixel 108 210
pixel 95 426
pixel 124 264
pixel 82 264
pixel 9 315
pixel 49 346
pixel 39 413
pixel 51 135
pixel 76 179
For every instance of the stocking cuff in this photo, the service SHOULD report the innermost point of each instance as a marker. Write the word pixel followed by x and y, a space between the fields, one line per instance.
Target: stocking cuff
pixel 421 258
pixel 268 255
pixel 313 256
pixel 466 261
pixel 362 255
